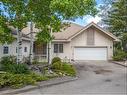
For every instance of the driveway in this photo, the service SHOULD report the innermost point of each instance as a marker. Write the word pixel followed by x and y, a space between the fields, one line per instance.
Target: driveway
pixel 95 78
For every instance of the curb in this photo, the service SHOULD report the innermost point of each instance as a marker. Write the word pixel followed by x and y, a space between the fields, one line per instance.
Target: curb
pixel 119 63
pixel 40 85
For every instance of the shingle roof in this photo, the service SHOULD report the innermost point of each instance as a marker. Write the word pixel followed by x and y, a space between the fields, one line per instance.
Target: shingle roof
pixel 13 31
pixel 68 32
pixel 63 35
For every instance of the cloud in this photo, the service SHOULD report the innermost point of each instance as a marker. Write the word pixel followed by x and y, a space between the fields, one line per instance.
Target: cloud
pixel 88 19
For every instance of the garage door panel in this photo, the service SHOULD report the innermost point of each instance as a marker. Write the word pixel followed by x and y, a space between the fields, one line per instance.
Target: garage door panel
pixel 90 54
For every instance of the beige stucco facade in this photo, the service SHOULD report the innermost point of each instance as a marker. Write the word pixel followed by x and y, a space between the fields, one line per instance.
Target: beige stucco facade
pixel 77 36
pixel 12 49
pixel 100 40
pixel 72 37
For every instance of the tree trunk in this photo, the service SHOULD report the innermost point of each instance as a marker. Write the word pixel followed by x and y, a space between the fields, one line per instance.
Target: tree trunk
pixel 50 53
pixel 19 46
pixel 31 43
pixel 50 49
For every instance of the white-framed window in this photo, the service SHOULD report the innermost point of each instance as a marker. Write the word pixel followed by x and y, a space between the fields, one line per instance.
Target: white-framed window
pixel 5 50
pixel 58 48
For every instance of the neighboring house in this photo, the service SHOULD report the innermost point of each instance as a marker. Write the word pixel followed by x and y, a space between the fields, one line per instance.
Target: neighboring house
pixel 11 49
pixel 79 43
pixel 74 43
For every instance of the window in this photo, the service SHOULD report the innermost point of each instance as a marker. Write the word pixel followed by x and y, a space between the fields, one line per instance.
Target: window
pixel 58 48
pixel 25 49
pixel 44 49
pixel 55 48
pixel 6 50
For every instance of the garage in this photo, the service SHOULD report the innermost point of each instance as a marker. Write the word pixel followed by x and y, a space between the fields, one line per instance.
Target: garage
pixel 91 53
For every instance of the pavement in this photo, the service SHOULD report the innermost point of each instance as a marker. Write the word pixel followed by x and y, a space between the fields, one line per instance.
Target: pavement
pixel 48 83
pixel 95 78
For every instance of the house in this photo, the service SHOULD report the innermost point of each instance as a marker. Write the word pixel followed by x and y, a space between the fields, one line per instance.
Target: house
pixel 74 43
pixel 11 49
pixel 79 43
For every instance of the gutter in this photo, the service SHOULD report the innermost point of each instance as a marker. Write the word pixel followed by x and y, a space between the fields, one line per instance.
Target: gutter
pixel 58 40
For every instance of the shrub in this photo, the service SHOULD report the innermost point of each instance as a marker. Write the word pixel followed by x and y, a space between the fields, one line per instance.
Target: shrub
pixel 57 65
pixel 68 69
pixel 38 77
pixel 8 60
pixel 63 68
pixel 15 68
pixel 19 80
pixel 119 55
pixel 35 62
pixel 56 59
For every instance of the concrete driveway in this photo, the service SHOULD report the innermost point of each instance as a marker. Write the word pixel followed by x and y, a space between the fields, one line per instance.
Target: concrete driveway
pixel 95 78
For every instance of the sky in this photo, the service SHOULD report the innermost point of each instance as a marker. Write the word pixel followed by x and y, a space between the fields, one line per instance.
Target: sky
pixel 87 19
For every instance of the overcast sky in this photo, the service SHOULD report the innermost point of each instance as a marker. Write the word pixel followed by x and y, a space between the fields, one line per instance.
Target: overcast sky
pixel 87 19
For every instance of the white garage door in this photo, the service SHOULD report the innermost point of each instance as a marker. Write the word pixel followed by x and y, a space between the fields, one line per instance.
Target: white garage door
pixel 90 53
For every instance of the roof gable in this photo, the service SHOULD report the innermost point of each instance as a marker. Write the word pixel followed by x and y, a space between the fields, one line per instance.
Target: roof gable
pixel 98 27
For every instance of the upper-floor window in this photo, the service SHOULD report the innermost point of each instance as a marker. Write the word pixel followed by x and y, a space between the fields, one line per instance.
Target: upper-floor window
pixel 5 50
pixel 25 49
pixel 58 48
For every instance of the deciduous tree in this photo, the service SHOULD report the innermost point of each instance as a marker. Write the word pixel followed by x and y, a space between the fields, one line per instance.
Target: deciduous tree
pixel 45 14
